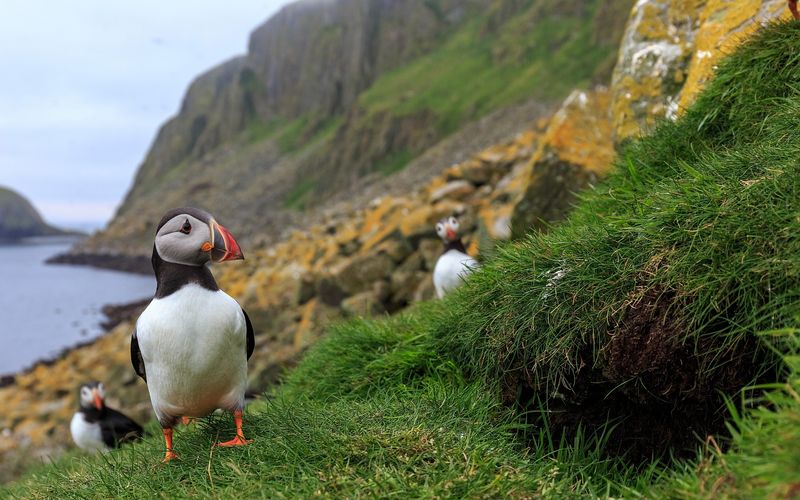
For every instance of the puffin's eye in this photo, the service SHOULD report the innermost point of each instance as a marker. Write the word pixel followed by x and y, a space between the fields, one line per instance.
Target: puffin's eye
pixel 453 221
pixel 187 228
pixel 438 228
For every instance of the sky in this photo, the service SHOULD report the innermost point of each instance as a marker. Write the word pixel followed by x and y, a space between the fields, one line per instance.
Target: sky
pixel 85 85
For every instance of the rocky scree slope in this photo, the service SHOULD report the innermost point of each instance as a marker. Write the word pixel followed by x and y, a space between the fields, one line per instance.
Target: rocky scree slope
pixel 334 95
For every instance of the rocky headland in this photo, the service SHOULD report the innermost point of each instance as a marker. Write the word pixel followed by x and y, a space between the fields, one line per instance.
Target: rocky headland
pixel 19 219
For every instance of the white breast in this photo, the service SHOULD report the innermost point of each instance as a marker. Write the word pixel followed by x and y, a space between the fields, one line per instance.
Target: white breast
pixel 193 343
pixel 451 269
pixel 87 436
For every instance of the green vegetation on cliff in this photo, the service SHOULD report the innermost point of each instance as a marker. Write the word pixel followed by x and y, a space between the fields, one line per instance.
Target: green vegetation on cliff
pixel 331 94
pixel 542 51
pixel 19 219
pixel 592 360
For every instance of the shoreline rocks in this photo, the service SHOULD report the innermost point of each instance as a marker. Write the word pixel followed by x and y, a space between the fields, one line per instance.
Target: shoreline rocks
pixel 114 262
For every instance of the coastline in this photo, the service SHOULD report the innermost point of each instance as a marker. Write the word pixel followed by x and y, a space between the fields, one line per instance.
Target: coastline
pixel 115 314
pixel 114 262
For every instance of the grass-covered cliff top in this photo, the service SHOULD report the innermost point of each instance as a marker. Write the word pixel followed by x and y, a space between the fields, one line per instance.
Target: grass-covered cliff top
pixel 576 362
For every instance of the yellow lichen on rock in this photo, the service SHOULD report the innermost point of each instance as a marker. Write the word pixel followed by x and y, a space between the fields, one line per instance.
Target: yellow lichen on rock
pixel 652 64
pixel 723 26
pixel 670 51
pixel 576 150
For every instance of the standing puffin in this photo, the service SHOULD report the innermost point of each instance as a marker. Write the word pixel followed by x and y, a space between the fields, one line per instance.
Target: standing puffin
pixel 454 265
pixel 192 342
pixel 95 426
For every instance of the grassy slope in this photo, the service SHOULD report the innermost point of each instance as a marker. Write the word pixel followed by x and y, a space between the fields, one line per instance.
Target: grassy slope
pixel 706 208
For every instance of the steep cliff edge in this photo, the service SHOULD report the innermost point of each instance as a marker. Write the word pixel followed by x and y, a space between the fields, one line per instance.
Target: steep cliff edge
pixel 335 96
pixel 19 218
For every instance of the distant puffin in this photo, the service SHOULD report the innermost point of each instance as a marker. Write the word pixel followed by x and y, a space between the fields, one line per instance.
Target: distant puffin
pixel 95 426
pixel 192 342
pixel 454 265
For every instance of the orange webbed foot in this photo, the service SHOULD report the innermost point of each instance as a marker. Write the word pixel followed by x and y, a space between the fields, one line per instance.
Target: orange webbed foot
pixel 237 441
pixel 170 454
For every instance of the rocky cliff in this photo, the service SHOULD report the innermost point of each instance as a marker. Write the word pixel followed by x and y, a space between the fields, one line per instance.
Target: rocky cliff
pixel 19 218
pixel 333 96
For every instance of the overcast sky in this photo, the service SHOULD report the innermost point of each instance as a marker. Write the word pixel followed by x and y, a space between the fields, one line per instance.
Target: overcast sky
pixel 85 84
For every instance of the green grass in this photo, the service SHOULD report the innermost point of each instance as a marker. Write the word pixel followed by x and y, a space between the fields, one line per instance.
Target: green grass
pixel 395 162
pixel 702 217
pixel 297 198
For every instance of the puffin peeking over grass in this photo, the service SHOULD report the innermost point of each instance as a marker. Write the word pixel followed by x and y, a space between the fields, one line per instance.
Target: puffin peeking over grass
pixel 95 426
pixel 192 342
pixel 454 265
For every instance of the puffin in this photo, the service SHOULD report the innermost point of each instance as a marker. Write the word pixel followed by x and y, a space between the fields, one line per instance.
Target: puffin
pixel 192 342
pixel 454 265
pixel 97 427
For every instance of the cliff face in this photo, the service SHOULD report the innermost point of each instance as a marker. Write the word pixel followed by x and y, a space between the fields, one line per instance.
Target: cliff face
pixel 335 95
pixel 19 219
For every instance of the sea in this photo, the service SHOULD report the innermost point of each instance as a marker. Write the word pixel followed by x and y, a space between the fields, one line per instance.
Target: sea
pixel 45 308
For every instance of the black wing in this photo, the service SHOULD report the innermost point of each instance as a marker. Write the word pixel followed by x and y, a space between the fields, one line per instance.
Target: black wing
pixel 116 428
pixel 136 357
pixel 251 337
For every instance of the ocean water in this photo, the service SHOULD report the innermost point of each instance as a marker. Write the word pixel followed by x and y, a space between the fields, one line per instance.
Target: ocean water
pixel 45 308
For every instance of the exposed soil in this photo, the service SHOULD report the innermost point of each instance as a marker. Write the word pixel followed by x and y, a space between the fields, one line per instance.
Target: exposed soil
pixel 654 390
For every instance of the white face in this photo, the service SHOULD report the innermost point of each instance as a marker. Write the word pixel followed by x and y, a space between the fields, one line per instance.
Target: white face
pixel 184 239
pixel 88 394
pixel 447 229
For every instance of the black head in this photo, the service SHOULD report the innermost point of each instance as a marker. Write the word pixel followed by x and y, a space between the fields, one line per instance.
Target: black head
pixel 92 397
pixel 191 237
pixel 447 229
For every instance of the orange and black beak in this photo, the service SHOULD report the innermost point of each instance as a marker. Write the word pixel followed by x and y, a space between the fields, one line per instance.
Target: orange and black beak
pixel 449 232
pixel 98 401
pixel 223 247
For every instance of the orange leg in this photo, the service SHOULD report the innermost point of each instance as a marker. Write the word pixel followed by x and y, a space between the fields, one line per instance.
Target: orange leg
pixel 239 440
pixel 187 420
pixel 170 454
pixel 793 8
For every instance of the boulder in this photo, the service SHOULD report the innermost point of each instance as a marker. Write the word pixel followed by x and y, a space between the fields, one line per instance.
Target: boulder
pixel 404 285
pixel 363 304
pixel 453 190
pixel 430 250
pixel 329 291
pixel 425 290
pixel 357 273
